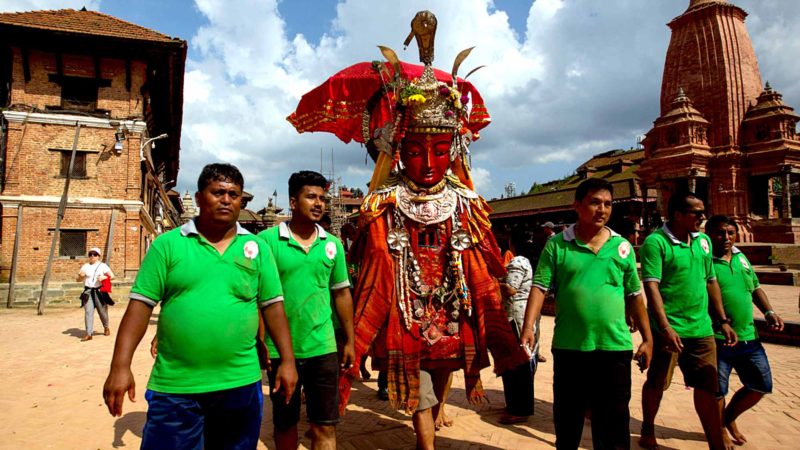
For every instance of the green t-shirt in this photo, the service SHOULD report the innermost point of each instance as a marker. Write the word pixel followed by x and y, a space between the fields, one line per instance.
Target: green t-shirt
pixel 208 320
pixel 737 281
pixel 590 291
pixel 682 272
pixel 307 280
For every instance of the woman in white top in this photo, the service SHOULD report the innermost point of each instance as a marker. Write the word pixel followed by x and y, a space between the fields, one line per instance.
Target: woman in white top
pixel 92 274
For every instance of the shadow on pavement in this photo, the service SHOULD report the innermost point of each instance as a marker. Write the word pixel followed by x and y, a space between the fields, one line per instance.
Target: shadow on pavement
pixel 133 422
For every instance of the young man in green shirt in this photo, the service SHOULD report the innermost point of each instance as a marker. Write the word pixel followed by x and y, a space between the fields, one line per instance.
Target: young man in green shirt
pixel 679 281
pixel 210 277
pixel 740 289
pixel 311 264
pixel 593 272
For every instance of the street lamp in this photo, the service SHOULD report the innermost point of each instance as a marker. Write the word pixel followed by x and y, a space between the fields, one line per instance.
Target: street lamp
pixel 147 141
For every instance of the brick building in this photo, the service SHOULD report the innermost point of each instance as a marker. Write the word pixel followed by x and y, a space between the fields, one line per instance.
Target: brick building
pixel 722 133
pixel 114 91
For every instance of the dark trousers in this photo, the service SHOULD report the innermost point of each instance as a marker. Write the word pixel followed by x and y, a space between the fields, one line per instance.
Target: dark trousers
pixel 518 385
pixel 518 389
pixel 596 381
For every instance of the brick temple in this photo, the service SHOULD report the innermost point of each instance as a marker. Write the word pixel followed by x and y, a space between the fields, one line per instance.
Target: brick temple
pixel 723 133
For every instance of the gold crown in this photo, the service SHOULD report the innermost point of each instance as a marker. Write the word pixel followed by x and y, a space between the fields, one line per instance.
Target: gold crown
pixel 434 106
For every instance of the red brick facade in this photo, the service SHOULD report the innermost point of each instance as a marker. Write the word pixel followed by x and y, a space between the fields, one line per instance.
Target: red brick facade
pixel 120 201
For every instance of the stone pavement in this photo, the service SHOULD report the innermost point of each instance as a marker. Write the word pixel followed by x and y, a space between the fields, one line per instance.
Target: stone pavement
pixel 51 397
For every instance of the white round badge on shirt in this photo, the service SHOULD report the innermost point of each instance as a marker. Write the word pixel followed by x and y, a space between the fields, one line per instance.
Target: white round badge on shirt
pixel 744 263
pixel 624 249
pixel 330 250
pixel 704 245
pixel 250 249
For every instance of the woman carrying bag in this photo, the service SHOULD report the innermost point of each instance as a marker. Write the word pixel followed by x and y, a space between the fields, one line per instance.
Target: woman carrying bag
pixel 93 274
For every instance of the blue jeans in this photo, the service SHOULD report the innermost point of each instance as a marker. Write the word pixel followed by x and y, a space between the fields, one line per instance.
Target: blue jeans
pixel 751 364
pixel 228 419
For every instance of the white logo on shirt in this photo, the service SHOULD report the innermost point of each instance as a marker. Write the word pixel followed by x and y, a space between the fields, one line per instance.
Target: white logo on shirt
pixel 744 263
pixel 624 249
pixel 250 249
pixel 704 245
pixel 330 250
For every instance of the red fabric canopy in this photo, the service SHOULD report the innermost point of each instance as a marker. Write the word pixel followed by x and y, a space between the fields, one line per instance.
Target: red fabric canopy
pixel 336 106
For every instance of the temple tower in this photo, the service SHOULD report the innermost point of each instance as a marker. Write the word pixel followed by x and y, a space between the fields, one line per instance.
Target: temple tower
pixel 711 89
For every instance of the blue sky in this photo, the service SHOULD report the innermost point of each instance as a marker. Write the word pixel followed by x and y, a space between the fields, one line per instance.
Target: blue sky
pixel 564 79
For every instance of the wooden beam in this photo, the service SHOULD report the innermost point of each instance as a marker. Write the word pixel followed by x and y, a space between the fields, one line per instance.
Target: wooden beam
pixel 62 206
pixel 110 238
pixel 12 281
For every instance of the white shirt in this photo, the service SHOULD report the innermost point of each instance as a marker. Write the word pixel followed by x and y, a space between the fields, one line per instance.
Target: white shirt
pixel 93 271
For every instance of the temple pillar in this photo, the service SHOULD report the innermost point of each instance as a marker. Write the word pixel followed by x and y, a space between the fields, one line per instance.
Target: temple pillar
pixel 786 195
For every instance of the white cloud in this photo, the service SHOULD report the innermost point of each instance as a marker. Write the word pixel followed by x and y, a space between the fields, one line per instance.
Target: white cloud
pixel 583 78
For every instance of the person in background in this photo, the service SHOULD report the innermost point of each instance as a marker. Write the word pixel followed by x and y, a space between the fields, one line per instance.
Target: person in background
pixel 92 274
pixel 683 295
pixel 518 382
pixel 740 290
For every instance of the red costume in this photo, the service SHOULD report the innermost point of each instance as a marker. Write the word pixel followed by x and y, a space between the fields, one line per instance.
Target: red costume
pixel 426 292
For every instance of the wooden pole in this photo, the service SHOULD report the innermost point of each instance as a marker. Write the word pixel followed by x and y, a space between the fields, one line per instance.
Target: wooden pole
pixel 62 206
pixel 110 239
pixel 12 282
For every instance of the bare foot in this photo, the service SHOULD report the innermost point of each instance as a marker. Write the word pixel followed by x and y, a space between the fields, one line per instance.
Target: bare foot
pixel 738 437
pixel 106 331
pixel 648 438
pixel 443 420
pixel 726 441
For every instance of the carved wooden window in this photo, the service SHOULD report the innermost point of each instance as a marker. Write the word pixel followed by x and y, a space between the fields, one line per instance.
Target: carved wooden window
pixel 78 167
pixel 72 243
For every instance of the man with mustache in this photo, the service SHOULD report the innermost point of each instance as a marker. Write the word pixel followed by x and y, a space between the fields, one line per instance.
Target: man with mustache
pixel 210 277
pixel 312 267
pixel 592 270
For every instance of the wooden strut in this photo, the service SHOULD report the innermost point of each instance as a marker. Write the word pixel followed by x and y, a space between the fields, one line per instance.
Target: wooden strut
pixel 62 206
pixel 12 282
pixel 110 239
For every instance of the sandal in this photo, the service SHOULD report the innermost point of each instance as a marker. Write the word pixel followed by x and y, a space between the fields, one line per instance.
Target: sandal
pixel 88 337
pixel 107 332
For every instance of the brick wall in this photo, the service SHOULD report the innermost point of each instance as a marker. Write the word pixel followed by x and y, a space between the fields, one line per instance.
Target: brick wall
pixel 41 92
pixel 33 171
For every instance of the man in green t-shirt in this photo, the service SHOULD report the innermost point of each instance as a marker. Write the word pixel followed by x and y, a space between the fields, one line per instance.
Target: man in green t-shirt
pixel 312 267
pixel 211 277
pixel 740 289
pixel 593 272
pixel 679 281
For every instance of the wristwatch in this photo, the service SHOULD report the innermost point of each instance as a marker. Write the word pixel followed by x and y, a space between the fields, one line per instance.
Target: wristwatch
pixel 721 322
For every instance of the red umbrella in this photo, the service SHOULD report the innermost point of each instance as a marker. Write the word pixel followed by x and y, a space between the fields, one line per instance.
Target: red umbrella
pixel 337 105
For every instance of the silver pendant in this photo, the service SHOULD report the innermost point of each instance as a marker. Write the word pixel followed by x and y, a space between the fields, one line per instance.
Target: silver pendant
pixel 460 240
pixel 397 239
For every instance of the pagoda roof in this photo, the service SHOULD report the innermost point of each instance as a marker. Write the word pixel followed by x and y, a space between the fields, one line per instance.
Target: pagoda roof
pixel 558 195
